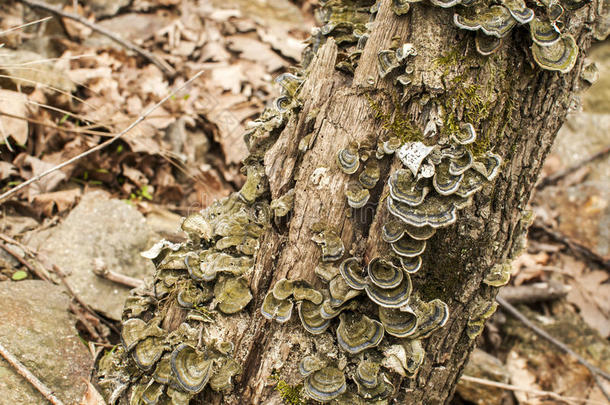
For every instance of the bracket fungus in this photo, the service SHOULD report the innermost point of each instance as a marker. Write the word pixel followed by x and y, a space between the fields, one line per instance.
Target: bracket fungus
pixel 348 159
pixel 498 275
pixel 357 332
pixel 273 308
pixel 496 20
pixel 560 56
pixel 325 384
pixel 483 311
pixel 191 368
pixel 357 196
pixel 329 241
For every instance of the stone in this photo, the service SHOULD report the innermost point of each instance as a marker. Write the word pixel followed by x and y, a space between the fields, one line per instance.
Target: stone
pixel 38 329
pixel 99 228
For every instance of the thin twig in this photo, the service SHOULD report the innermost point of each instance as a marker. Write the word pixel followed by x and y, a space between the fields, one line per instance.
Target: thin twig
pixel 31 378
pixel 573 245
pixel 102 145
pixel 161 64
pixel 595 372
pixel 24 262
pixel 511 387
pixel 78 299
pixel 555 177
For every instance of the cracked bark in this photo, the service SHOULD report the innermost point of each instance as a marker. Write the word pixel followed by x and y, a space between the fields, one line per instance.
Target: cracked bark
pixel 527 106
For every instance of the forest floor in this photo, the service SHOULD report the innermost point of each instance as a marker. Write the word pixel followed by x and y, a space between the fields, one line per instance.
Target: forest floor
pixel 70 242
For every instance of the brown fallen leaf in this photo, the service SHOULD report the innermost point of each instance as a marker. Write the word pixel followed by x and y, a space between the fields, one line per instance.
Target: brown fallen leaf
pixel 590 293
pixel 29 166
pixel 13 103
pixel 529 267
pixel 56 202
pixel 92 396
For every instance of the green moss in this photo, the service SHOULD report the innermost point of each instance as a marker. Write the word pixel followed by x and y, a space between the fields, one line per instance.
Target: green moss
pixel 290 394
pixel 395 121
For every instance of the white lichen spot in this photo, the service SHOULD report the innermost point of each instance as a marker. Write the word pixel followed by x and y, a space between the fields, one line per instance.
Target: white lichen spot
pixel 320 177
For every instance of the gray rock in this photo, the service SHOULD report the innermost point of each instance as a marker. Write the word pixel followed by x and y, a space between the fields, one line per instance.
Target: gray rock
pixel 37 329
pixel 99 229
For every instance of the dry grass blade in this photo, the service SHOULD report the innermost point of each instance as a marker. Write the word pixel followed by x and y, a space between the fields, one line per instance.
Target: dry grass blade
pixel 141 118
pixel 24 25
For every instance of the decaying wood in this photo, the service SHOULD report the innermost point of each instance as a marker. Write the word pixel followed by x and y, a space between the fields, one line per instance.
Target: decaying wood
pixel 526 108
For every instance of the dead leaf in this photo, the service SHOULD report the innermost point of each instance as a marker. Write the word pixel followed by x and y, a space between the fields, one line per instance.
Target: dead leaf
pixel 590 293
pixel 13 103
pixel 522 377
pixel 7 170
pixel 56 202
pixel 92 396
pixel 28 69
pixel 29 166
pixel 528 267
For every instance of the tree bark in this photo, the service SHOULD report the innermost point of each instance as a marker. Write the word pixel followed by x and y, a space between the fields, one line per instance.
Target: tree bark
pixel 519 111
pixel 526 108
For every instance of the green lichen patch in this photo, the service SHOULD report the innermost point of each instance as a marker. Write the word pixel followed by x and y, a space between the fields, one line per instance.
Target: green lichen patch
pixel 395 121
pixel 290 394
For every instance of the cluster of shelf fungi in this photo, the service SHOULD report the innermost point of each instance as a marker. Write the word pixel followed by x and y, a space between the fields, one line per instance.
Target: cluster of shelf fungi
pixel 371 309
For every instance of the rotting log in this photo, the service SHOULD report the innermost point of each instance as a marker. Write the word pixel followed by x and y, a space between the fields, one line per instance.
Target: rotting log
pixel 516 109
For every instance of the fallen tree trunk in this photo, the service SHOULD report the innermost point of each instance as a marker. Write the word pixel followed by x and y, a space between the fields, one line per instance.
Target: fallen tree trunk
pixel 515 108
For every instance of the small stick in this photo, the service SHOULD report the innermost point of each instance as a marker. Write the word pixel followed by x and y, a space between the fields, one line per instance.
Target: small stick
pixel 164 66
pixel 102 145
pixel 118 278
pixel 78 299
pixel 511 387
pixel 24 262
pixel 31 378
pixel 555 177
pixel 595 372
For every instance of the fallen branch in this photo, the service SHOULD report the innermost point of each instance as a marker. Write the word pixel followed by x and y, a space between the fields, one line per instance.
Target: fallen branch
pixel 511 387
pixel 595 372
pixel 532 293
pixel 31 378
pixel 164 66
pixel 102 145
pixel 555 177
